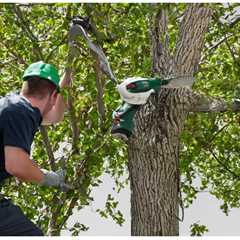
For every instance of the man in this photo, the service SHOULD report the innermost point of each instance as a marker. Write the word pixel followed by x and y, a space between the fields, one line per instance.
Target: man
pixel 39 102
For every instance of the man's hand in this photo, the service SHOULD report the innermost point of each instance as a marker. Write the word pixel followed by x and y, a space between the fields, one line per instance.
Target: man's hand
pixel 56 114
pixel 55 179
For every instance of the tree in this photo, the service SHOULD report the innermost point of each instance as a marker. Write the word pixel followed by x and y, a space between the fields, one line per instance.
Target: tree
pixel 155 153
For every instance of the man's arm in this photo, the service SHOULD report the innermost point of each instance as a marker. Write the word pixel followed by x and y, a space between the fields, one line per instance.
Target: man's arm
pixel 57 112
pixel 19 164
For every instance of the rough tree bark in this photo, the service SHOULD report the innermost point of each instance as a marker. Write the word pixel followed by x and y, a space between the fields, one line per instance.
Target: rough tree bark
pixel 154 148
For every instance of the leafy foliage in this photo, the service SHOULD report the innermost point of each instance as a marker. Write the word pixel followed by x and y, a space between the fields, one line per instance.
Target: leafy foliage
pixel 110 210
pixel 210 142
pixel 197 229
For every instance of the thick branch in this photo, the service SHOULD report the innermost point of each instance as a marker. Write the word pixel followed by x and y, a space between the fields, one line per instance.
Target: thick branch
pixel 190 44
pixel 210 104
pixel 160 41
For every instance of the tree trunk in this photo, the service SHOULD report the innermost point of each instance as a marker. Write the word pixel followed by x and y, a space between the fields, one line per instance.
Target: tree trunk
pixel 154 148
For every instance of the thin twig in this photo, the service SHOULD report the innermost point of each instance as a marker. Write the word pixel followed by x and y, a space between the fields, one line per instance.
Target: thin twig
pixel 66 19
pixel 69 211
pixel 58 204
pixel 217 133
pixel 81 49
pixel 73 120
pixel 100 102
pixel 216 45
pixel 222 164
pixel 13 53
pixel 225 38
pixel 231 51
pixel 49 56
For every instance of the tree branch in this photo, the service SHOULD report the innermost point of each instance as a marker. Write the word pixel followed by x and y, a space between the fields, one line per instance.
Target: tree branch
pixel 100 103
pixel 160 44
pixel 218 132
pixel 201 103
pixel 13 53
pixel 216 45
pixel 234 22
pixel 48 147
pixel 58 204
pixel 231 51
pixel 191 39
pixel 70 209
pixel 67 17
pixel 100 36
pixel 26 28
pixel 79 178
pixel 73 120
pixel 225 38
pixel 81 49
pixel 55 48
pixel 224 165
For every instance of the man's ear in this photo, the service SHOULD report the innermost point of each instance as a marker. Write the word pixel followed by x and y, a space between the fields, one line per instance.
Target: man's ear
pixel 54 96
pixel 55 93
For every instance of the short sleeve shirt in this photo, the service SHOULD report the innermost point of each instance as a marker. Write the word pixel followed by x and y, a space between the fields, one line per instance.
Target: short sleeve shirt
pixel 19 121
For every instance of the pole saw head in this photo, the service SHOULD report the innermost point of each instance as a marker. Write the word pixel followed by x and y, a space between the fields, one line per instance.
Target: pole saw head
pixel 134 92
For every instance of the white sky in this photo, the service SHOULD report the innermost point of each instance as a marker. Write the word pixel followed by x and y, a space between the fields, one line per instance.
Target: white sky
pixel 204 210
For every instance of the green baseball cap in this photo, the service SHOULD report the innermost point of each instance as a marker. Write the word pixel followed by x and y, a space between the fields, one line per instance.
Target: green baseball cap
pixel 43 70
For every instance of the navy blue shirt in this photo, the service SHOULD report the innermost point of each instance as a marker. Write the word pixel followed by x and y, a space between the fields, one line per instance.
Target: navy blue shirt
pixel 19 122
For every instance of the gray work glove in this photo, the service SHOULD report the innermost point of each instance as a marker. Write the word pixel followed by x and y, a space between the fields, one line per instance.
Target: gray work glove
pixel 55 179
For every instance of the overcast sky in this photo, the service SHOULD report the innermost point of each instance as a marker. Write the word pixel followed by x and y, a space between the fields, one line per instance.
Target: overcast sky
pixel 204 210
